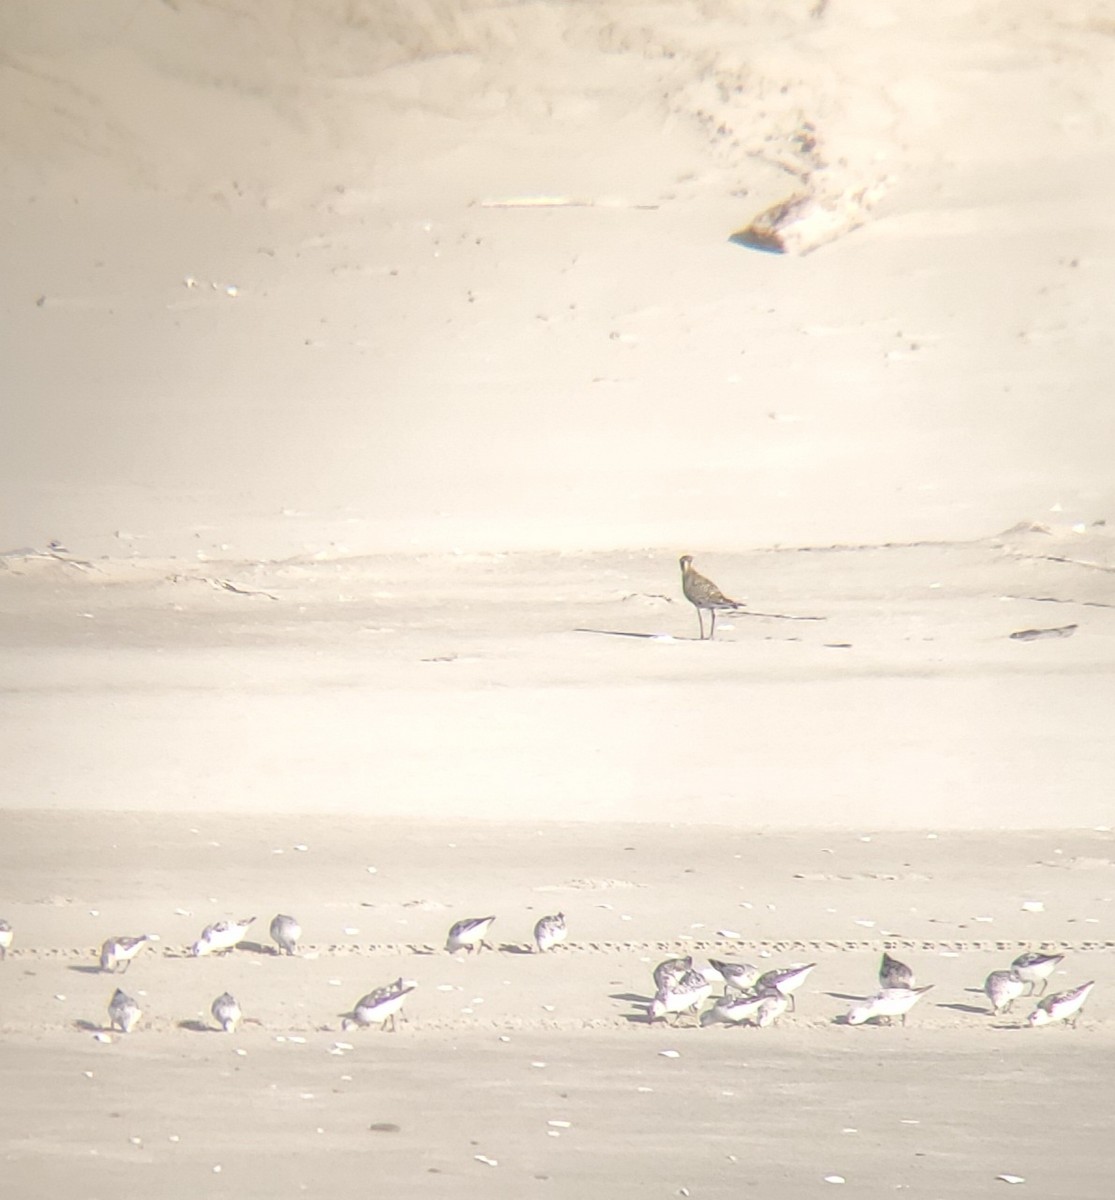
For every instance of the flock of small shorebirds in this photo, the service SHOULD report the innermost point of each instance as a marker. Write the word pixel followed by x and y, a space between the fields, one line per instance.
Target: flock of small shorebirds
pixel 749 996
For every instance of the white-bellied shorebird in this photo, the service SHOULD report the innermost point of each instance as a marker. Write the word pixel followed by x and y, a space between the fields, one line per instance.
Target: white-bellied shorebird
pixel 1033 968
pixel 5 939
pixel 469 935
pixel 285 932
pixel 123 1011
pixel 705 596
pixel 221 936
pixel 121 950
pixel 550 931
pixel 686 994
pixel 894 974
pixel 1064 1006
pixel 887 1004
pixel 735 1008
pixel 380 1006
pixel 667 973
pixel 226 1012
pixel 785 981
pixel 739 976
pixel 1003 988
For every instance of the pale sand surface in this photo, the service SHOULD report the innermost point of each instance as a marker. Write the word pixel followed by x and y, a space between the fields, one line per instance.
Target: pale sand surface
pixel 281 316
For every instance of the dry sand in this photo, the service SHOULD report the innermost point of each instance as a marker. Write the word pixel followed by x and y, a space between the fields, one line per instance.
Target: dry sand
pixel 371 473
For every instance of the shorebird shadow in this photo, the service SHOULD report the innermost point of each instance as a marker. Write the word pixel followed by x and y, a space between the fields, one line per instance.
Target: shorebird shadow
pixel 965 1008
pixel 86 970
pixel 257 948
pixel 196 1026
pixel 91 1027
pixel 514 948
pixel 631 633
pixel 845 996
pixel 630 997
pixel 637 1018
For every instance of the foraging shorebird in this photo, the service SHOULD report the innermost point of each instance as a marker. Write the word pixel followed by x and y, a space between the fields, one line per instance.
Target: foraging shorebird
pixel 894 974
pixel 117 950
pixel 1034 967
pixel 123 1012
pixel 888 1004
pixel 221 936
pixel 5 939
pixel 736 1009
pixel 670 972
pixel 785 982
pixel 1003 988
pixel 688 993
pixel 226 1012
pixel 705 596
pixel 1064 1006
pixel 771 1006
pixel 739 976
pixel 469 935
pixel 380 1006
pixel 285 932
pixel 550 931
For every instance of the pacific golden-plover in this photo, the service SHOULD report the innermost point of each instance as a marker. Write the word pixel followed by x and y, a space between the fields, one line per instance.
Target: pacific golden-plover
pixel 705 596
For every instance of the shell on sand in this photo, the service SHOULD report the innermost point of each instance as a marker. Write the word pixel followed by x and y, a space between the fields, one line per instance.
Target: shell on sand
pixel 806 220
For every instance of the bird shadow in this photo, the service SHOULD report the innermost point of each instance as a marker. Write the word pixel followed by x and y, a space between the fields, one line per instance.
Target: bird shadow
pixel 86 970
pixel 965 1008
pixel 196 1026
pixel 630 997
pixel 91 1027
pixel 844 996
pixel 631 633
pixel 257 948
pixel 514 948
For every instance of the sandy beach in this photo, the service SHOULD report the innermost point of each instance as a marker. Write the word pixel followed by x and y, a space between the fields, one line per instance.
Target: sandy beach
pixel 369 367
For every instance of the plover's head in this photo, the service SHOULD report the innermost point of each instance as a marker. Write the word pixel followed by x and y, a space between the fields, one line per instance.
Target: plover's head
pixel 685 561
pixel 859 1014
pixel 1038 1017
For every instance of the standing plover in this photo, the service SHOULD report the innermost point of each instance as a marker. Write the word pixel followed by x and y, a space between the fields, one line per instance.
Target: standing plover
pixel 221 936
pixel 285 932
pixel 894 974
pixel 550 931
pixel 1003 988
pixel 785 981
pixel 667 973
pixel 1034 967
pixel 686 994
pixel 117 950
pixel 735 1009
pixel 226 1012
pixel 739 976
pixel 123 1012
pixel 887 1004
pixel 705 596
pixel 5 939
pixel 380 1006
pixel 469 935
pixel 1063 1006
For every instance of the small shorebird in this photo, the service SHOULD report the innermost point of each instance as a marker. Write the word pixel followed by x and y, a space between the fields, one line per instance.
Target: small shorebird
pixel 688 993
pixel 771 1006
pixel 123 1012
pixel 1034 967
pixel 285 932
pixel 550 931
pixel 1064 1006
pixel 894 974
pixel 668 973
pixel 785 982
pixel 889 1003
pixel 221 936
pixel 5 939
pixel 380 1006
pixel 469 935
pixel 739 976
pixel 1003 988
pixel 119 950
pixel 226 1012
pixel 705 596
pixel 736 1009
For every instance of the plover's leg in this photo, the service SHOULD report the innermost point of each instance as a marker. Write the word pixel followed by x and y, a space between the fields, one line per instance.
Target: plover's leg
pixel 712 631
pixel 127 964
pixel 793 1002
pixel 1044 985
pixel 701 623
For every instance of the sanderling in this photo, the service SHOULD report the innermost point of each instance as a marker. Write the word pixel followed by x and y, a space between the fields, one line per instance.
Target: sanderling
pixel 226 1012
pixel 894 974
pixel 668 973
pixel 222 935
pixel 1034 967
pixel 123 1011
pixel 690 991
pixel 285 932
pixel 1063 1006
pixel 786 981
pixel 1003 988
pixel 889 1003
pixel 469 935
pixel 117 950
pixel 380 1006
pixel 735 975
pixel 735 1009
pixel 705 596
pixel 5 939
pixel 550 931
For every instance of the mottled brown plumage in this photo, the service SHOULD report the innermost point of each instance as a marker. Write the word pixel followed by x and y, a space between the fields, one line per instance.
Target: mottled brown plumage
pixel 705 596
